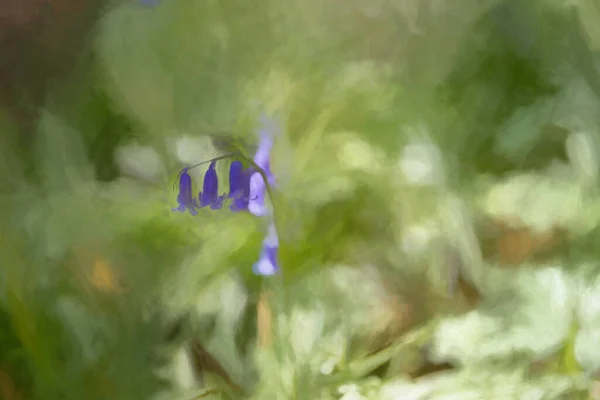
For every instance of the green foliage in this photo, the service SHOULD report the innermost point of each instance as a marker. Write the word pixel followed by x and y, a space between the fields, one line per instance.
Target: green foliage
pixel 413 133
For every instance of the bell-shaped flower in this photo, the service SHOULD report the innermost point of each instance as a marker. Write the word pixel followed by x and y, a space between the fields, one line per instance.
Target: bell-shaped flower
pixel 258 186
pixel 209 196
pixel 185 198
pixel 236 179
pixel 268 263
pixel 247 191
pixel 239 186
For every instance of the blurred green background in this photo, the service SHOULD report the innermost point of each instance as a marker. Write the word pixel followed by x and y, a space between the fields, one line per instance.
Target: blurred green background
pixel 437 200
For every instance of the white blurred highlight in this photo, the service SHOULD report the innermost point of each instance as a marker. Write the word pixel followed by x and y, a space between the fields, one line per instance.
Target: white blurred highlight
pixel 140 161
pixel 358 155
pixel 420 163
pixel 417 238
pixel 582 150
pixel 190 150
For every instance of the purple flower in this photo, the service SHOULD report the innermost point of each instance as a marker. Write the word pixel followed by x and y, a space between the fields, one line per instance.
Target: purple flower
pixel 239 186
pixel 247 191
pixel 267 263
pixel 184 198
pixel 236 179
pixel 258 186
pixel 209 196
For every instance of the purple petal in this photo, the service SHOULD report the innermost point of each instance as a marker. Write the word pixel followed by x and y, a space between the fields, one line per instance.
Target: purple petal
pixel 256 201
pixel 271 239
pixel 266 134
pixel 185 198
pixel 217 204
pixel 236 179
pixel 240 202
pixel 241 196
pixel 267 263
pixel 261 157
pixel 210 192
pixel 181 207
pixel 258 186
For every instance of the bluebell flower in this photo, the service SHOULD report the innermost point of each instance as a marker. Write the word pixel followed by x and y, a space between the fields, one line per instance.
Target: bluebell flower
pixel 239 186
pixel 209 196
pixel 185 198
pixel 258 186
pixel 268 263
pixel 247 191
pixel 236 177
